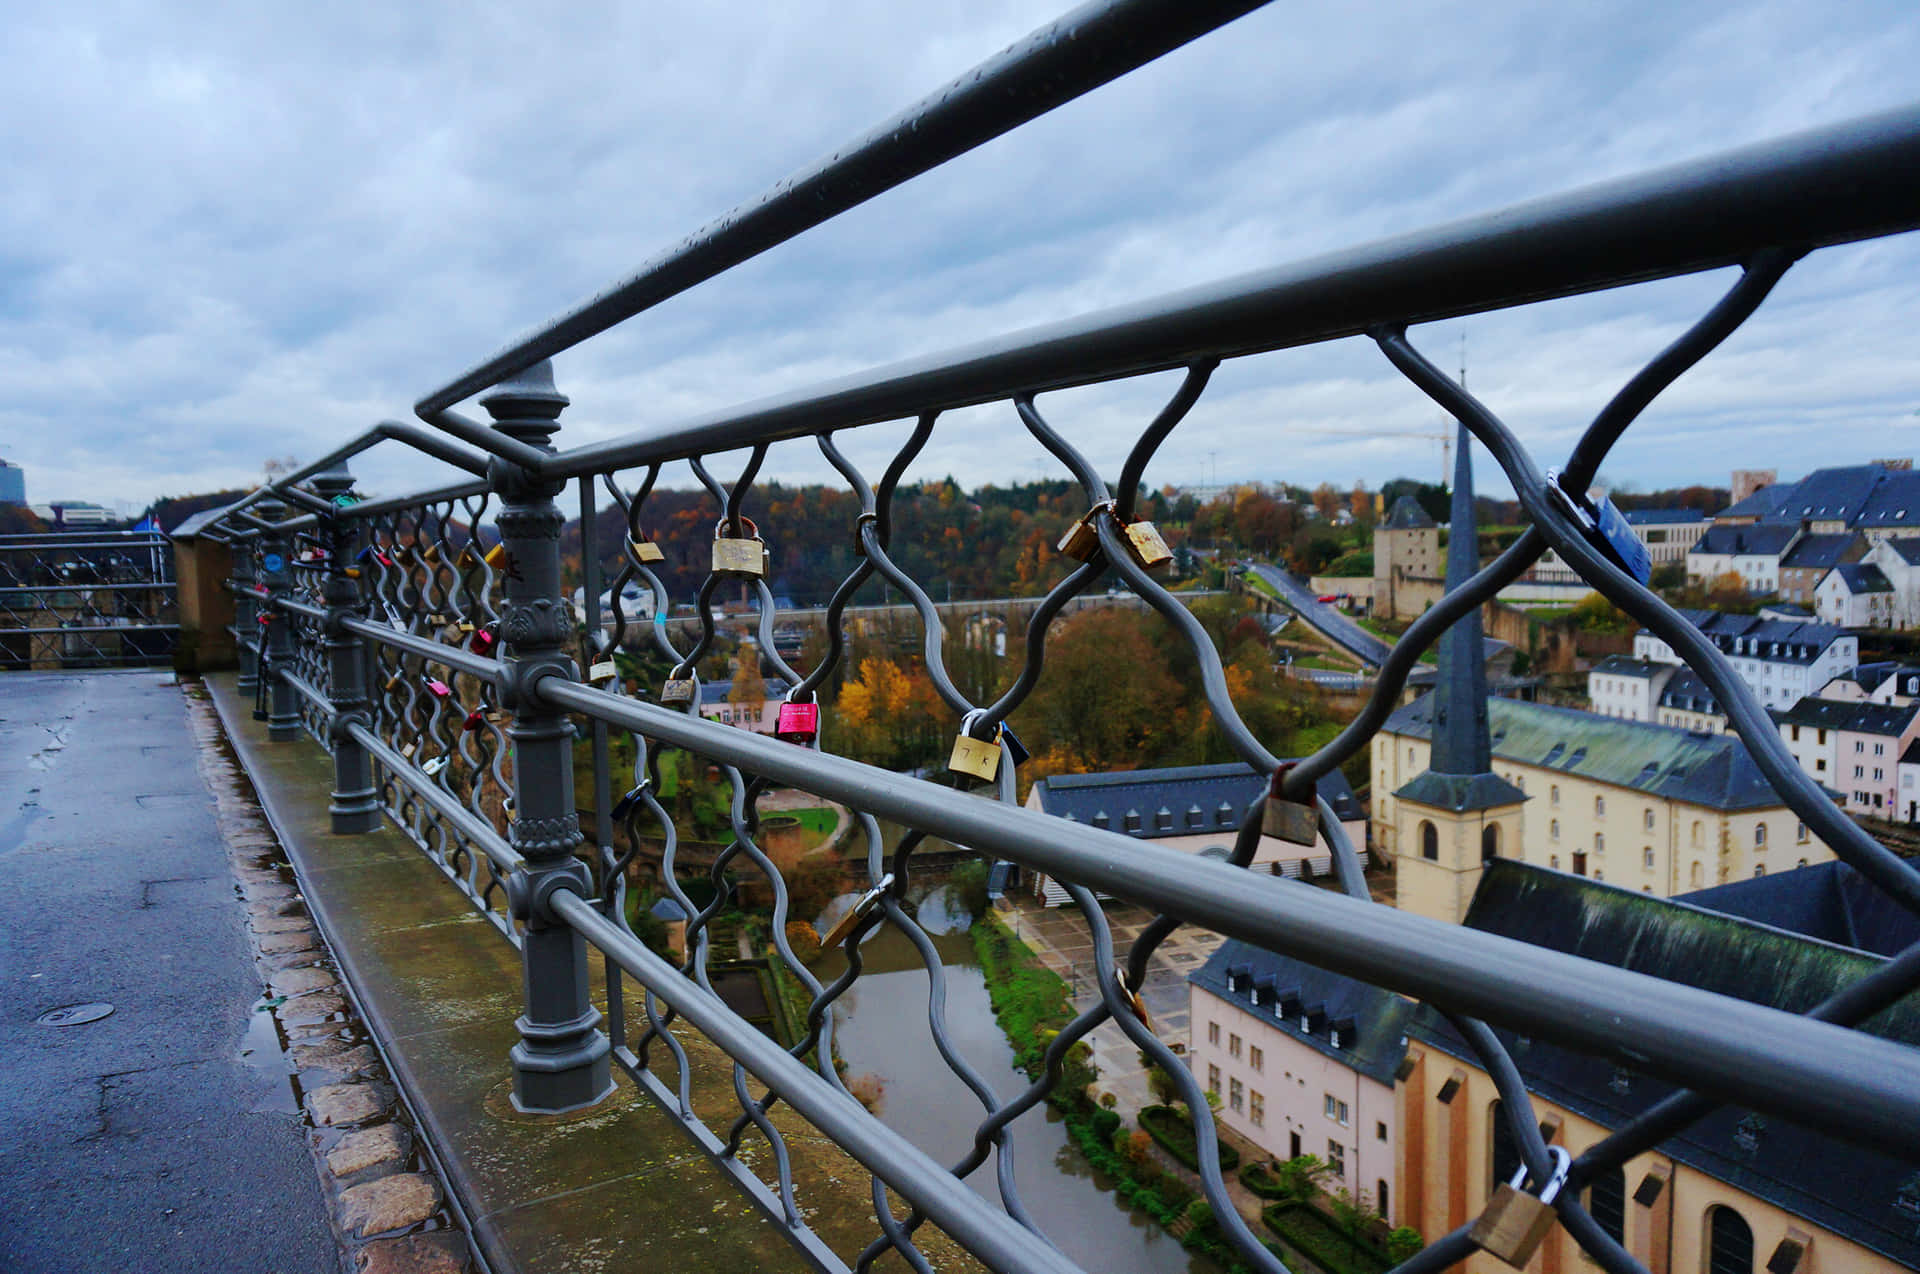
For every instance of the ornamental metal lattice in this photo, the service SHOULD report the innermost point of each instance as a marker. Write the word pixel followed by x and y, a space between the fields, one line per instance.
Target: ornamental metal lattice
pixel 425 639
pixel 87 599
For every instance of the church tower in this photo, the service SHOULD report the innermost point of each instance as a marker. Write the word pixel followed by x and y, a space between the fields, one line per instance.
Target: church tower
pixel 1459 813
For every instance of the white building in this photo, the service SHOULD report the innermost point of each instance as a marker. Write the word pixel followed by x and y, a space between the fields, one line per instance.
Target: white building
pixel 1628 688
pixel 1751 552
pixel 1854 596
pixel 1899 560
pixel 1780 661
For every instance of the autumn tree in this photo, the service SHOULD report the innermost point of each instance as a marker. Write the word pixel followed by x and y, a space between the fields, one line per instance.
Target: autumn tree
pixel 1106 700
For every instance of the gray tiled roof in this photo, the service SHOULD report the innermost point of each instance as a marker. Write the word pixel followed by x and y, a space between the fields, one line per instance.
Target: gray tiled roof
pixel 1889 719
pixel 1714 770
pixel 1176 801
pixel 1907 547
pixel 1686 692
pixel 1862 577
pixel 1750 637
pixel 1858 495
pixel 1369 1019
pixel 1407 515
pixel 1628 666
pixel 1817 552
pixel 1761 540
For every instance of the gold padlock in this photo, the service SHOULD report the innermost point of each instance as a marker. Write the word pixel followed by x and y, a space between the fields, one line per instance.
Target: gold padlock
pixel 678 692
pixel 1149 549
pixel 850 920
pixel 1083 538
pixel 497 554
pixel 739 554
pixel 644 552
pixel 976 758
pixel 1515 1222
pixel 1293 821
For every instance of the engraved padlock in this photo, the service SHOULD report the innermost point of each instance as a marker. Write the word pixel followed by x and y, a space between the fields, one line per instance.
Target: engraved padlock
pixel 798 722
pixel 1149 549
pixel 976 758
pixel 678 692
pixel 1296 822
pixel 744 555
pixel 850 921
pixel 1515 1222
pixel 1083 538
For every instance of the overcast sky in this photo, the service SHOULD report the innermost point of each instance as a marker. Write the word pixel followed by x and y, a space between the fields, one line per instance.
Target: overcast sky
pixel 229 233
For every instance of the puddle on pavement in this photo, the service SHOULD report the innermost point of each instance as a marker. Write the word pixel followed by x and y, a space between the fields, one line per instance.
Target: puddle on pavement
pixel 261 1050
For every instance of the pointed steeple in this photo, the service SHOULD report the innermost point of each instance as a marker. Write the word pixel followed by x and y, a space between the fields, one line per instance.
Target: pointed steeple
pixel 1460 743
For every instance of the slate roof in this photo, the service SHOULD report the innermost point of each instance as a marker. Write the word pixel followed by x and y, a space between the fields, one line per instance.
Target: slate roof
pixel 1828 901
pixel 1907 547
pixel 1862 578
pixel 1370 1020
pixel 1818 552
pixel 1628 666
pixel 1176 801
pixel 1850 1191
pixel 1662 517
pixel 1859 495
pixel 1688 693
pixel 1407 515
pixel 1888 719
pixel 1761 540
pixel 1712 770
pixel 717 691
pixel 1762 503
pixel 1777 640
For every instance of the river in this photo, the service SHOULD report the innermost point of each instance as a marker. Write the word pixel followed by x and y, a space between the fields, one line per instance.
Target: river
pixel 881 1028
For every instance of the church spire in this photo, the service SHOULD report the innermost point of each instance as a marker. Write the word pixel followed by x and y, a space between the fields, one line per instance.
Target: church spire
pixel 1460 742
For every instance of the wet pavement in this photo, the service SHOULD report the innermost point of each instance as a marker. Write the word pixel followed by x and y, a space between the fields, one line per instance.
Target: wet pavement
pixel 153 1137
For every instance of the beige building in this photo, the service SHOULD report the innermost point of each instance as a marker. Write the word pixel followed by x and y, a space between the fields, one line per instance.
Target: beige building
pixel 1647 807
pixel 1406 548
pixel 1415 1122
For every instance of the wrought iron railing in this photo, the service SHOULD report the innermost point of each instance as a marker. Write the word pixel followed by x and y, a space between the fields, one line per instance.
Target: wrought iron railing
pixel 432 655
pixel 87 599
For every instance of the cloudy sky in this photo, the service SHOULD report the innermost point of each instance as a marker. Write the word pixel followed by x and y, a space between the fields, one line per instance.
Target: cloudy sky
pixel 236 232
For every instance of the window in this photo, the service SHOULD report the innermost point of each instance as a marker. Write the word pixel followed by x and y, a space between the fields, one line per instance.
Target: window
pixel 1648 820
pixel 1859 745
pixel 1607 1200
pixel 1695 838
pixel 1800 833
pixel 1380 1130
pixel 1236 1094
pixel 1759 870
pixel 1697 876
pixel 1859 771
pixel 1429 840
pixel 1760 835
pixel 1553 829
pixel 1213 1079
pixel 1877 775
pixel 1489 842
pixel 1233 1046
pixel 1256 1058
pixel 1796 734
pixel 1257 1109
pixel 1337 1160
pixel 1553 794
pixel 1879 749
pixel 1380 1198
pixel 1729 1243
pixel 1213 1034
pixel 1646 857
pixel 1599 843
pixel 1337 1110
pixel 1553 861
pixel 1599 805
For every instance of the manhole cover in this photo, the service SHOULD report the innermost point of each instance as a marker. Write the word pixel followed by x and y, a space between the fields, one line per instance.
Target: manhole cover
pixel 74 1015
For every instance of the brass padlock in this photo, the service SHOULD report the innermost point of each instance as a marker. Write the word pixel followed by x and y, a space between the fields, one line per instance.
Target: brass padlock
pixel 1516 1223
pixel 1083 538
pixel 1132 997
pixel 976 758
pixel 850 921
pixel 678 692
pixel 739 554
pixel 644 552
pixel 1296 822
pixel 1148 548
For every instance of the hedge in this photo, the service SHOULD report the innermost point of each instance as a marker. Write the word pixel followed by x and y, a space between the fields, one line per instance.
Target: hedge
pixel 1316 1237
pixel 1171 1129
pixel 1259 1178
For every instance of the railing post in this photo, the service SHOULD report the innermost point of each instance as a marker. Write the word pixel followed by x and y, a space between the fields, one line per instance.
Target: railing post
pixel 356 801
pixel 245 609
pixel 276 576
pixel 562 1060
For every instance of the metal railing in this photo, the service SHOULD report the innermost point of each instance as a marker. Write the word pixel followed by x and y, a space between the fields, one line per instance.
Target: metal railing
pixel 432 656
pixel 87 599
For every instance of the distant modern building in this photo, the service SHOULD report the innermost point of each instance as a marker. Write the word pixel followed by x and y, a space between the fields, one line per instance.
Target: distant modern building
pixel 1195 808
pixel 73 514
pixel 1779 660
pixel 13 484
pixel 1307 1061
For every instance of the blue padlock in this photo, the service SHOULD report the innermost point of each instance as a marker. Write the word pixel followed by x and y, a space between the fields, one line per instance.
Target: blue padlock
pixel 1606 529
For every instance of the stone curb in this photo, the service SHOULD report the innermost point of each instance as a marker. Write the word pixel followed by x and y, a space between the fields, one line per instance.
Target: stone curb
pixel 388 1206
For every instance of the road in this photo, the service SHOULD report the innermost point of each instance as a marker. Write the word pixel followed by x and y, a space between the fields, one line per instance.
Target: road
pixel 1324 619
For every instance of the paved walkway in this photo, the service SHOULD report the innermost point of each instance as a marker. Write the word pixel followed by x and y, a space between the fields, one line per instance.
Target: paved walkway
pixel 147 1139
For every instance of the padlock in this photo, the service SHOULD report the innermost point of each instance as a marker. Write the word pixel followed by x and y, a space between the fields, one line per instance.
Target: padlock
pixel 624 806
pixel 497 554
pixel 678 692
pixel 798 722
pixel 744 555
pixel 1132 998
pixel 1293 821
pixel 433 765
pixel 393 618
pixel 1604 527
pixel 976 758
pixel 605 670
pixel 850 921
pixel 432 553
pixel 1515 1223
pixel 644 552
pixel 393 682
pixel 477 718
pixel 1149 550
pixel 483 640
pixel 1016 750
pixel 436 687
pixel 1082 539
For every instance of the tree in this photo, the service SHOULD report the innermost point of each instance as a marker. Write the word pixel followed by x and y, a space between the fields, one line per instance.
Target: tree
pixel 1360 503
pixel 1106 700
pixel 1326 501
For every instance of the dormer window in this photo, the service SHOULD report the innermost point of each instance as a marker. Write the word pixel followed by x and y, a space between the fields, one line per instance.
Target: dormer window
pixel 1101 820
pixel 1163 819
pixel 1133 820
pixel 1196 816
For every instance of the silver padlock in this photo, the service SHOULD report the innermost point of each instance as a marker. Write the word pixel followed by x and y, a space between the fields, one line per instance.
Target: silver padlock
pixel 1292 821
pixel 847 923
pixel 1515 1222
pixel 743 555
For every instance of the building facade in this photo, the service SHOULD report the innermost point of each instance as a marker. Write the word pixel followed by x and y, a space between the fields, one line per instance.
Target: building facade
pixel 1781 661
pixel 1406 546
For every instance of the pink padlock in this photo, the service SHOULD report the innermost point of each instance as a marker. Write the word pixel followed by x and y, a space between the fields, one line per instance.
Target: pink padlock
pixel 482 641
pixel 798 722
pixel 439 689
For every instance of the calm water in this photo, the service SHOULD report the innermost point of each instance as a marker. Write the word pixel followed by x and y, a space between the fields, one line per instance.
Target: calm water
pixel 881 1027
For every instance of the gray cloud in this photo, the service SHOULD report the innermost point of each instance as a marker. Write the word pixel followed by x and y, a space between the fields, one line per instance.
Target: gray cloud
pixel 233 232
